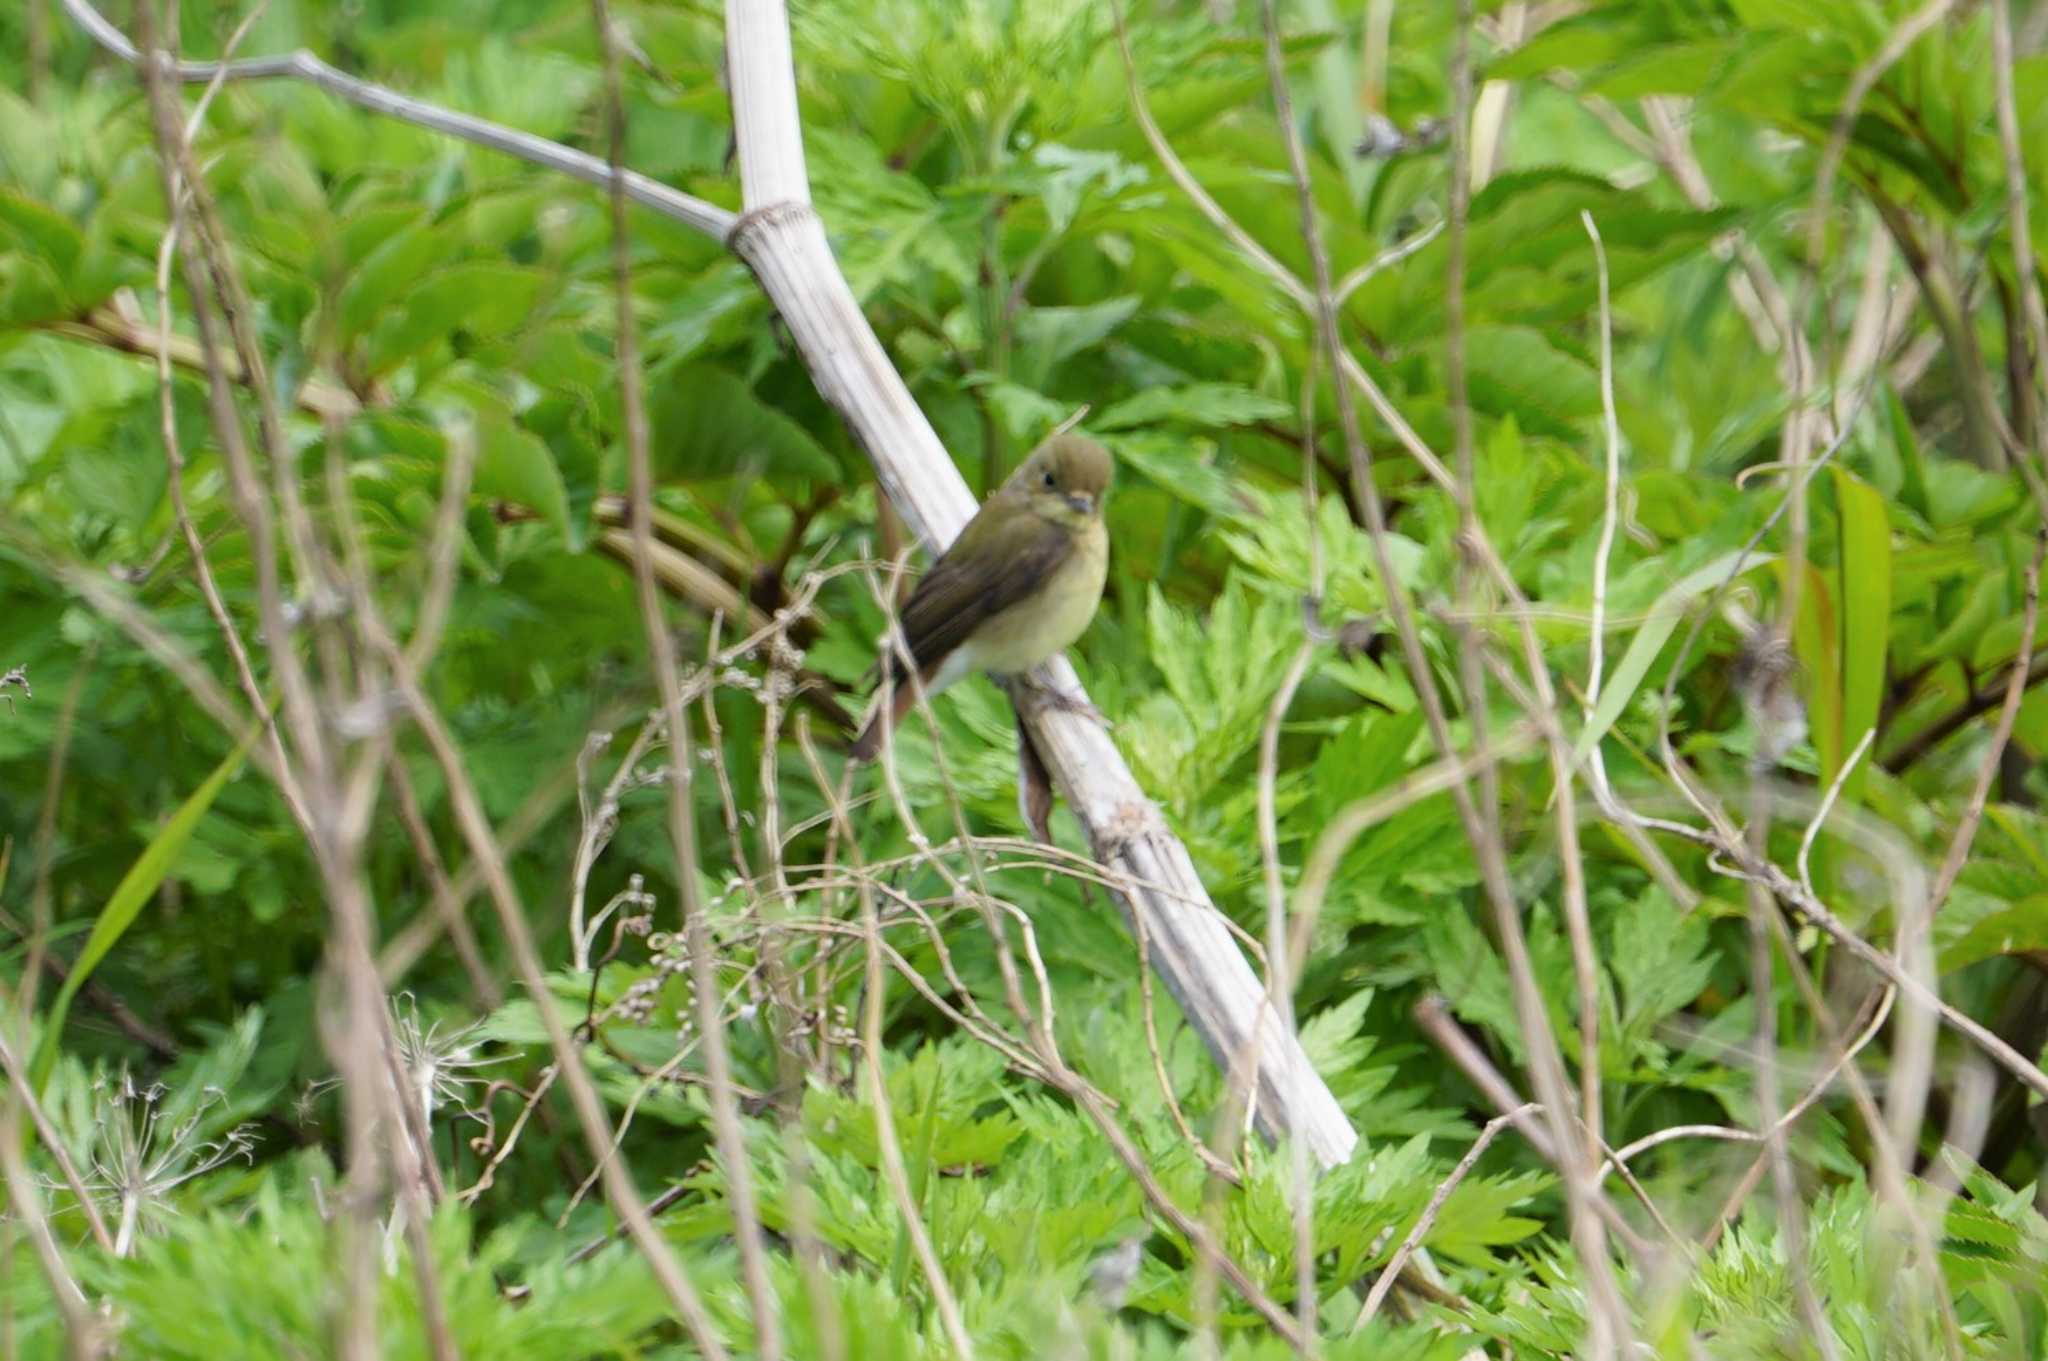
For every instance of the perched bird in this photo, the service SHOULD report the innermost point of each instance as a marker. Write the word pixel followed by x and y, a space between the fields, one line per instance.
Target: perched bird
pixel 1019 584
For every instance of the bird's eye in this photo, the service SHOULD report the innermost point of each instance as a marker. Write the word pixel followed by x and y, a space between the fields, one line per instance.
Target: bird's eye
pixel 1049 480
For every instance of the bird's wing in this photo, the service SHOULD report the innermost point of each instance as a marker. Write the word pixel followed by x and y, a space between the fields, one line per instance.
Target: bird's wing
pixel 995 562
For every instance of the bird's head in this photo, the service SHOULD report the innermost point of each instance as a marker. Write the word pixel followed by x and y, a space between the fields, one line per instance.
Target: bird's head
pixel 1066 479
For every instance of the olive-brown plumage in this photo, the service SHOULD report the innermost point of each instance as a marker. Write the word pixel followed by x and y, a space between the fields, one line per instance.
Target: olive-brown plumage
pixel 1019 585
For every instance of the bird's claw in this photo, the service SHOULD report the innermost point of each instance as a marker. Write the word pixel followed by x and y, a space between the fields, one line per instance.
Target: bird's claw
pixel 1034 696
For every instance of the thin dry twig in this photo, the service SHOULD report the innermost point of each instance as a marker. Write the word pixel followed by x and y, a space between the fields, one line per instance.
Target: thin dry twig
pixel 725 1122
pixel 81 1336
pixel 892 1152
pixel 2001 734
pixel 1427 1219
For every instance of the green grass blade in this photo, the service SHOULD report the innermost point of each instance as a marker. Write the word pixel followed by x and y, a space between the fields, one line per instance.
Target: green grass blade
pixel 1865 608
pixel 1656 630
pixel 136 888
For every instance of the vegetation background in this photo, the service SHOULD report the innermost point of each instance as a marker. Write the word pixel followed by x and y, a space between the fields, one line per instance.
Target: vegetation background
pixel 1642 722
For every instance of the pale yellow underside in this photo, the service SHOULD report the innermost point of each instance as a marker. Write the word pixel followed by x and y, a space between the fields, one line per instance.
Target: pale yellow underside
pixel 1045 623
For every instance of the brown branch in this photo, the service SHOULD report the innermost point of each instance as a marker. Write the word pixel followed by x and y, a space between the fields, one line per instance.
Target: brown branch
pixel 1981 701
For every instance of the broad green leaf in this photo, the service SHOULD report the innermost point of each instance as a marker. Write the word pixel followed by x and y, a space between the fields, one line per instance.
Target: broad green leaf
pixel 42 230
pixel 1661 960
pixel 1668 69
pixel 1621 684
pixel 1047 335
pixel 387 272
pixel 1582 42
pixel 136 888
pixel 514 465
pixel 1974 927
pixel 1912 464
pixel 708 423
pixel 484 299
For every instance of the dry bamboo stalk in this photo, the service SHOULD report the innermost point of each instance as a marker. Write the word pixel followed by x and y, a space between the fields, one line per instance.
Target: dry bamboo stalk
pixel 782 238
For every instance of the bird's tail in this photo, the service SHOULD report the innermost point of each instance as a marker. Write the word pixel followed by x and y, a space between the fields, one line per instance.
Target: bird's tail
pixel 870 740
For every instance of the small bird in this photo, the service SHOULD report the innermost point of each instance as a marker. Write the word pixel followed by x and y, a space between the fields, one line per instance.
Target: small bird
pixel 1017 587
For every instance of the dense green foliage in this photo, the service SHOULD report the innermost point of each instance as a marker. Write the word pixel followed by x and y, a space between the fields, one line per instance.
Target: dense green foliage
pixel 1021 251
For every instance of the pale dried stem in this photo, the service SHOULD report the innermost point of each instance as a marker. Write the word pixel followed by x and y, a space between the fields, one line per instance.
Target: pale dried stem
pixel 53 1144
pixel 1672 149
pixel 209 588
pixel 725 1122
pixel 891 1152
pixel 218 298
pixel 1433 1018
pixel 1489 852
pixel 1902 36
pixel 1790 1211
pixel 1820 1088
pixel 1279 957
pixel 447 907
pixel 489 1174
pixel 1216 1166
pixel 1608 1325
pixel 361 1038
pixel 25 1203
pixel 599 820
pixel 488 857
pixel 548 792
pixel 1610 513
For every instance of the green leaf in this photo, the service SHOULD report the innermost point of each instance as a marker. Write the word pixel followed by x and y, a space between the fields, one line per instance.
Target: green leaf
pixel 1202 404
pixel 514 465
pixel 1047 335
pixel 1516 371
pixel 387 272
pixel 1866 612
pixel 1661 959
pixel 1579 43
pixel 1667 69
pixel 1817 639
pixel 708 423
pixel 1656 630
pixel 42 230
pixel 1912 464
pixel 482 298
pixel 136 888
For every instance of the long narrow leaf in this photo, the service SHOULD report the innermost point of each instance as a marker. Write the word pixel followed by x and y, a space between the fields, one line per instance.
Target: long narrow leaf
pixel 1817 640
pixel 1865 608
pixel 1656 630
pixel 136 888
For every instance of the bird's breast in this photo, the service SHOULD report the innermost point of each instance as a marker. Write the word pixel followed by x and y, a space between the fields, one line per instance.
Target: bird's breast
pixel 1049 619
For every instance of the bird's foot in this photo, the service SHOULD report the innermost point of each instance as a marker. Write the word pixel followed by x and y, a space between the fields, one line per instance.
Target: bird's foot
pixel 1031 695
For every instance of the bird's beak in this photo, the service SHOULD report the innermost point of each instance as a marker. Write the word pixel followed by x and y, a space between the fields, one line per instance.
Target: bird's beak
pixel 1082 502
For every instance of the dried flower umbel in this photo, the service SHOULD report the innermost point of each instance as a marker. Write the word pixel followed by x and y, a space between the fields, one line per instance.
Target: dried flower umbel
pixel 137 1159
pixel 439 1069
